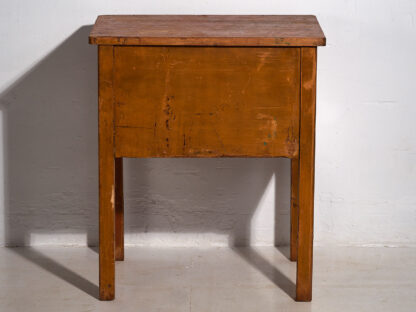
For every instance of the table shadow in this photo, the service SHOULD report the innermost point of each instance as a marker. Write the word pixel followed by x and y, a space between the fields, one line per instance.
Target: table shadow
pixel 57 269
pixel 51 172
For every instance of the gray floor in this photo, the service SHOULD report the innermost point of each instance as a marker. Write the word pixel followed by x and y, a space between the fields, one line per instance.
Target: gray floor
pixel 214 279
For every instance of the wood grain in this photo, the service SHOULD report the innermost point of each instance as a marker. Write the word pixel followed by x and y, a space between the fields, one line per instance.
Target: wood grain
pixel 106 171
pixel 206 102
pixel 307 174
pixel 119 210
pixel 294 208
pixel 208 30
pixel 206 86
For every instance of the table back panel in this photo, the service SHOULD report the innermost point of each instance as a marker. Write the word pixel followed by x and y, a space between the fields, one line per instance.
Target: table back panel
pixel 206 101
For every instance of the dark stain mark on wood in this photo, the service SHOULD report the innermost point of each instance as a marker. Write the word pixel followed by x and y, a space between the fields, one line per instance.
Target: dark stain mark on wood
pixel 220 118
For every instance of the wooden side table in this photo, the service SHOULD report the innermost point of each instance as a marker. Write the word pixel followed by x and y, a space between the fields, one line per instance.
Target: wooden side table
pixel 206 86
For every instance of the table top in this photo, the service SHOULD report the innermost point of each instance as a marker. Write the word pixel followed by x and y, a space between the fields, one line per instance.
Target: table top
pixel 208 30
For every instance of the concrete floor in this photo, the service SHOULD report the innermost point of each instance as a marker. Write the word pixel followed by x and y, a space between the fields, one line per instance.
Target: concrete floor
pixel 214 279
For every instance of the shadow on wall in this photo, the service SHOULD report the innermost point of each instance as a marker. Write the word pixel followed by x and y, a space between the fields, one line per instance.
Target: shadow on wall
pixel 51 144
pixel 51 169
pixel 51 185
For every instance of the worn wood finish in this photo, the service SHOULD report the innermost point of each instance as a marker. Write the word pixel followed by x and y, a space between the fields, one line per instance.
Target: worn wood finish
pixel 208 30
pixel 206 86
pixel 306 174
pixel 119 210
pixel 206 102
pixel 294 208
pixel 106 171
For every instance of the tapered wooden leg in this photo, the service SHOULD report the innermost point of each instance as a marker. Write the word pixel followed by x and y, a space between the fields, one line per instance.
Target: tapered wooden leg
pixel 119 207
pixel 306 174
pixel 106 172
pixel 294 208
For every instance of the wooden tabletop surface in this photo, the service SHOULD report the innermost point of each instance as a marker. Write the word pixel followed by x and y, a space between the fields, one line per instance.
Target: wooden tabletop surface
pixel 208 30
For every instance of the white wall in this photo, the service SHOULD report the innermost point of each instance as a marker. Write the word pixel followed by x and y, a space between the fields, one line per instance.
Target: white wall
pixel 366 135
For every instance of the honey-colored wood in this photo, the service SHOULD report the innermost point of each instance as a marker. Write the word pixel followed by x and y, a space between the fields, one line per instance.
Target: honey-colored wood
pixel 208 30
pixel 119 211
pixel 206 86
pixel 206 102
pixel 294 208
pixel 106 171
pixel 306 174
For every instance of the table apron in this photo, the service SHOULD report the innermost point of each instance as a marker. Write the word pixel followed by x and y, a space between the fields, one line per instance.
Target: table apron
pixel 206 101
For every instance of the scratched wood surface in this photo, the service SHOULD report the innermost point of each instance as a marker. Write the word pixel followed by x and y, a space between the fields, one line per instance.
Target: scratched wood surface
pixel 208 30
pixel 206 86
pixel 206 102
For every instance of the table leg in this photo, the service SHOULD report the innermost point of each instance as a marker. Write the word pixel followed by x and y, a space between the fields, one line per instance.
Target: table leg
pixel 306 174
pixel 294 208
pixel 106 172
pixel 119 208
